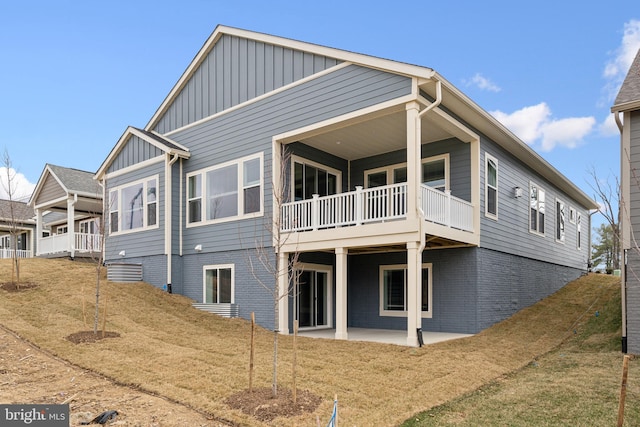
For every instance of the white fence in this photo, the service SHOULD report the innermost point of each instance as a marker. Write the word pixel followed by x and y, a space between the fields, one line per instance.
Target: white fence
pixel 8 253
pixel 384 203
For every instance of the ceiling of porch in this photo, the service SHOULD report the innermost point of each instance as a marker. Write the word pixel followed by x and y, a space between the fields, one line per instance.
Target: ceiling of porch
pixel 371 136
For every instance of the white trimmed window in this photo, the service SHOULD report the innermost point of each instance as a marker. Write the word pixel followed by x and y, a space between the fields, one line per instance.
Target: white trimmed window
pixel 229 191
pixel 134 206
pixel 434 173
pixel 311 178
pixel 560 220
pixel 572 215
pixel 537 209
pixel 393 290
pixel 218 284
pixel 89 226
pixel 491 187
pixel 579 231
pixel 62 229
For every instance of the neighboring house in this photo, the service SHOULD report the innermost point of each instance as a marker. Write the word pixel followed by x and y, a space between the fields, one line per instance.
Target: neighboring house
pixel 68 208
pixel 18 216
pixel 626 110
pixel 409 206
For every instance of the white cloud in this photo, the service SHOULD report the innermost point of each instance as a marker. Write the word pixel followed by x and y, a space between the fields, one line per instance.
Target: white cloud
pixel 617 67
pixel 535 126
pixel 608 127
pixel 483 83
pixel 20 185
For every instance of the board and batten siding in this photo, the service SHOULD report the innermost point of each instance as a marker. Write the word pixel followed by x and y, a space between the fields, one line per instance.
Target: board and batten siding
pixel 510 232
pixel 144 242
pixel 135 150
pixel 249 130
pixel 234 71
pixel 633 254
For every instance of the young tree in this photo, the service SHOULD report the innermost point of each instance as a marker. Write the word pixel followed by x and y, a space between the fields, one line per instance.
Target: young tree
pixel 272 265
pixel 10 188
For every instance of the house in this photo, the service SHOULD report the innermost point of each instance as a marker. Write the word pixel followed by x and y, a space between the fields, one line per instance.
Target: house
pixel 626 110
pixel 16 217
pixel 68 207
pixel 404 204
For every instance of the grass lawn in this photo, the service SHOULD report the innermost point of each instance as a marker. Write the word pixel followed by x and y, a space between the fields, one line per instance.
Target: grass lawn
pixel 169 348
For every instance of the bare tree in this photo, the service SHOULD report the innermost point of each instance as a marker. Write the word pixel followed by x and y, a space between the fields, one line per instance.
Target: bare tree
pixel 272 265
pixel 608 196
pixel 11 190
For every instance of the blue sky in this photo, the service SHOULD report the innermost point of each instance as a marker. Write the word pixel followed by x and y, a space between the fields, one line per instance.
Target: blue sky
pixel 75 74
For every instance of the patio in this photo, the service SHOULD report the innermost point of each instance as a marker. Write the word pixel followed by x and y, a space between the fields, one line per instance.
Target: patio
pixel 386 336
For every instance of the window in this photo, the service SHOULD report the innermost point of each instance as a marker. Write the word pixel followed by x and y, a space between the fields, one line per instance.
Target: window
pixel 560 218
pixel 579 231
pixel 218 284
pixel 134 206
pixel 435 173
pixel 491 187
pixel 62 229
pixel 311 178
pixel 393 290
pixel 223 192
pixel 572 215
pixel 89 226
pixel 537 209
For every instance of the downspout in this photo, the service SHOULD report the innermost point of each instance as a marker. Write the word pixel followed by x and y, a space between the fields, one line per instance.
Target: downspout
pixel 167 215
pixel 435 103
pixel 623 255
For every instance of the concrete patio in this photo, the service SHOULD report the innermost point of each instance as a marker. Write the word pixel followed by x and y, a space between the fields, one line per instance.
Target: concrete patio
pixel 385 336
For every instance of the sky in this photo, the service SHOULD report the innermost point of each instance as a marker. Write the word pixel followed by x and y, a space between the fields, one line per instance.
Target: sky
pixel 75 74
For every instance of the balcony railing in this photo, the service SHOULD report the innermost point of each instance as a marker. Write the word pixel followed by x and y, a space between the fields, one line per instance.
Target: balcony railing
pixel 385 203
pixel 83 242
pixel 6 253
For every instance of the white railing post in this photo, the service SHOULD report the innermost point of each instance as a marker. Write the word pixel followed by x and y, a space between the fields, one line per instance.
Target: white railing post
pixel 315 212
pixel 448 208
pixel 359 211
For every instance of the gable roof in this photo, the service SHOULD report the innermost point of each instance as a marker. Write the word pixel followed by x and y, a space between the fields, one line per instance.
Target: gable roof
pixel 338 54
pixel 71 181
pixel 22 212
pixel 629 95
pixel 163 143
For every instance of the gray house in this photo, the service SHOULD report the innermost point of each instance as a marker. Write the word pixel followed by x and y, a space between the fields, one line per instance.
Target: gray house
pixel 68 206
pixel 16 222
pixel 407 205
pixel 627 113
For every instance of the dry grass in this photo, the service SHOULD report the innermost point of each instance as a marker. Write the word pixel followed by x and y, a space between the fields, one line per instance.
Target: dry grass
pixel 167 347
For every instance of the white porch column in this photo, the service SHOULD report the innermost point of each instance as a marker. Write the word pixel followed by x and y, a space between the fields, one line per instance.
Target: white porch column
pixel 341 294
pixel 283 292
pixel 70 230
pixel 36 248
pixel 413 158
pixel 413 293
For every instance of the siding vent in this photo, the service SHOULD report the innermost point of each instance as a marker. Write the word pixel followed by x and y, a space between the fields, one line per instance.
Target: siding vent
pixel 223 309
pixel 122 272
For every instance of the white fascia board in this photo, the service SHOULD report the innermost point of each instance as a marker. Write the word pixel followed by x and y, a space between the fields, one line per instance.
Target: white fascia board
pixel 627 106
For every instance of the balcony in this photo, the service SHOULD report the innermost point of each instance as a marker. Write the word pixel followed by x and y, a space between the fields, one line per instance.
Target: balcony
pixel 59 243
pixel 371 205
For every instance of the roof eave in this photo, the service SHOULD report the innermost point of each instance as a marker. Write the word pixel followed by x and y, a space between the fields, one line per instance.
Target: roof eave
pixel 626 106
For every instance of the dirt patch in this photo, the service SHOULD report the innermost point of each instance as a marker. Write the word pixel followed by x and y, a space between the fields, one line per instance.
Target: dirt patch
pixel 17 287
pixel 89 336
pixel 31 376
pixel 261 405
